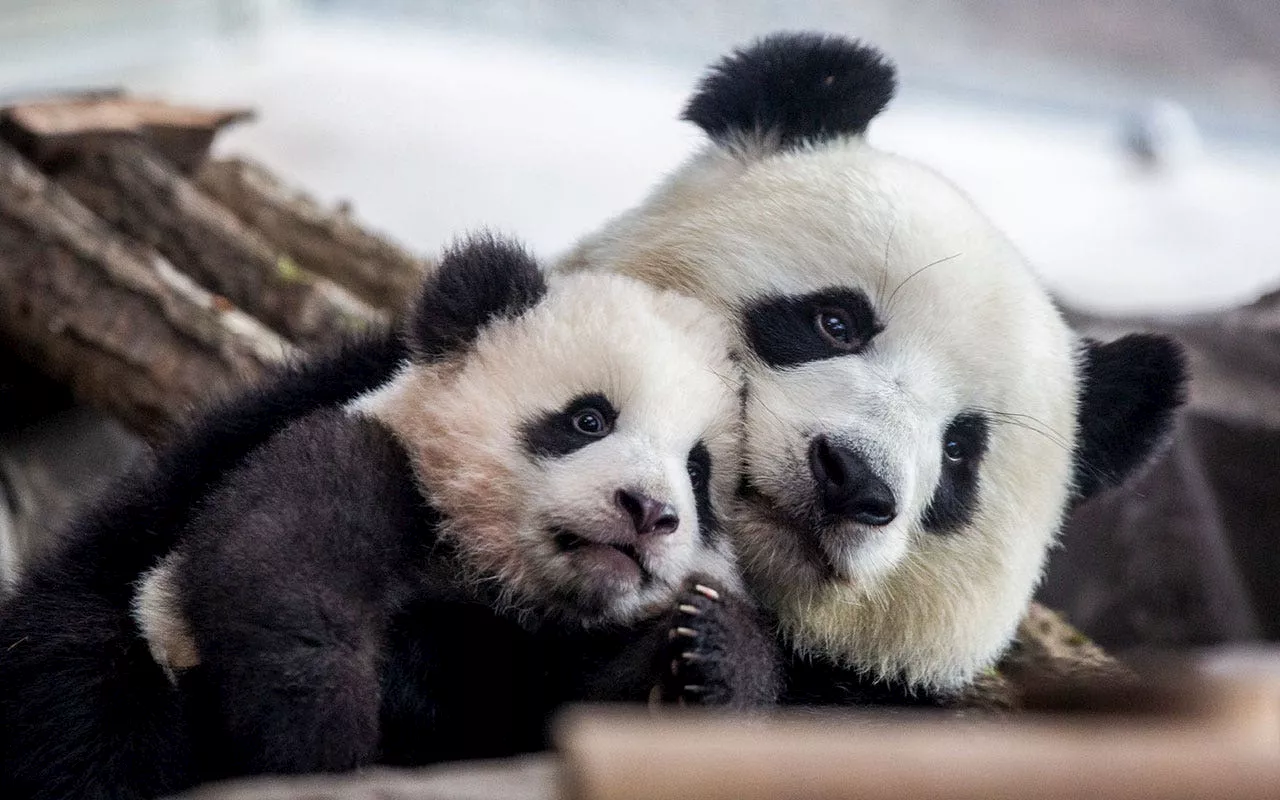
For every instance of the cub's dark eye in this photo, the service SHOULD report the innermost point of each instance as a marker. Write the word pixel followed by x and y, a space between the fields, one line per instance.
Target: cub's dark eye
pixel 953 450
pixel 591 422
pixel 697 474
pixel 699 466
pixel 836 326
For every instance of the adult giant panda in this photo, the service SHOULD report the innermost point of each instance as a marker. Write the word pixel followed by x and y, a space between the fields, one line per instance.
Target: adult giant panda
pixel 422 573
pixel 918 416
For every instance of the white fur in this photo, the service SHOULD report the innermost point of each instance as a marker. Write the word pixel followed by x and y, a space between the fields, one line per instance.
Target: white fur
pixel 660 358
pixel 158 615
pixel 967 328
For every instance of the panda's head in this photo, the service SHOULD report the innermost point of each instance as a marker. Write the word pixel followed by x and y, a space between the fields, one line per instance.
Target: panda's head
pixel 578 434
pixel 918 417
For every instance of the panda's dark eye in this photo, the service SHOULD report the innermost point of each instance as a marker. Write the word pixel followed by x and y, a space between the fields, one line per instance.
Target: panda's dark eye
pixel 836 327
pixel 591 422
pixel 965 439
pixel 697 474
pixel 699 466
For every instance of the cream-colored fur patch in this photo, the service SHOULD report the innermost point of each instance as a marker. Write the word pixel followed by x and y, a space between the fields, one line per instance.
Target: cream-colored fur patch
pixel 157 613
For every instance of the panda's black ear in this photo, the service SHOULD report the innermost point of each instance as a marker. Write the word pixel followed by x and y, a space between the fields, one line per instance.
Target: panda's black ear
pixel 792 88
pixel 479 280
pixel 1130 391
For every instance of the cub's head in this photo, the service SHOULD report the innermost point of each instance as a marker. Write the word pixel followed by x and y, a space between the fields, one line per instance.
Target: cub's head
pixel 577 433
pixel 918 417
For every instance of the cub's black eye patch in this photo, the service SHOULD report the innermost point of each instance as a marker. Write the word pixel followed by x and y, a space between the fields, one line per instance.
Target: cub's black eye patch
pixel 795 329
pixel 699 467
pixel 964 443
pixel 586 419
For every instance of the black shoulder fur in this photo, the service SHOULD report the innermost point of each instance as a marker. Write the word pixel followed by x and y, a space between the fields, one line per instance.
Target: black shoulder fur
pixel 798 87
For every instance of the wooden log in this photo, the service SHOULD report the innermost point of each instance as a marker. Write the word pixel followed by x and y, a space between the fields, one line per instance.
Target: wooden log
pixel 149 200
pixel 54 127
pixel 328 242
pixel 110 318
pixel 618 755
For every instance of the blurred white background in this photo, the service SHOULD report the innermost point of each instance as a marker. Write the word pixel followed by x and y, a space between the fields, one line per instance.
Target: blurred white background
pixel 544 118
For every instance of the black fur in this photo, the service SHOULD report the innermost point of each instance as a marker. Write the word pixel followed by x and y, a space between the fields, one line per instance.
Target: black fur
pixel 956 497
pixel 486 694
pixel 797 87
pixel 815 681
pixel 479 280
pixel 553 434
pixel 699 467
pixel 92 701
pixel 1131 389
pixel 783 329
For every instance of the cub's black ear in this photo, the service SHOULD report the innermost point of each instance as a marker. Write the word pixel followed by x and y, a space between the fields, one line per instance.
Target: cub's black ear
pixel 479 280
pixel 792 88
pixel 1130 390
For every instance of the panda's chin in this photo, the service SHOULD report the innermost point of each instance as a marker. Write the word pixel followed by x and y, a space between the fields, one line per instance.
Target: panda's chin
pixel 858 553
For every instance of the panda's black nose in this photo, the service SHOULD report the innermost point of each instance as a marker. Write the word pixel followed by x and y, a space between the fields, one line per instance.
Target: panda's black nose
pixel 649 516
pixel 847 486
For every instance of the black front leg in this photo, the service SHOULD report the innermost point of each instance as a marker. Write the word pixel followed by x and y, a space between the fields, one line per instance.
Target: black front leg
pixel 289 579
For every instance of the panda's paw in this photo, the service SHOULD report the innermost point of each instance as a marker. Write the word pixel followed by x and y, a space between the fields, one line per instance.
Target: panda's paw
pixel 719 651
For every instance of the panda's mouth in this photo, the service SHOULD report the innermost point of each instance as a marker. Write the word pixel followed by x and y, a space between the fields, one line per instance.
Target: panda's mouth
pixel 600 557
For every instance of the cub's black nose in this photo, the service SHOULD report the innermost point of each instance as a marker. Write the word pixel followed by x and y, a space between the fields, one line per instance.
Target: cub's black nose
pixel 647 515
pixel 847 486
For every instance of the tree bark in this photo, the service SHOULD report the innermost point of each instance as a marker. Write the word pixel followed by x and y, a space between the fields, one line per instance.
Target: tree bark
pixel 110 318
pixel 327 242
pixel 149 200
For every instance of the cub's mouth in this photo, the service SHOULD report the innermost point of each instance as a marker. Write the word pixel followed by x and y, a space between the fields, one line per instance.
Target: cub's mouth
pixel 603 559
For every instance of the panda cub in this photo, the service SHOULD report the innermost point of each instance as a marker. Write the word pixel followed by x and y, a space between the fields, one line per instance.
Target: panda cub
pixel 428 570
pixel 918 417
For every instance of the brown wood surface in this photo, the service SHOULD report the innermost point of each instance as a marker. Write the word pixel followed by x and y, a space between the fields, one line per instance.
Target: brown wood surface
pixel 617 756
pixel 328 242
pixel 110 318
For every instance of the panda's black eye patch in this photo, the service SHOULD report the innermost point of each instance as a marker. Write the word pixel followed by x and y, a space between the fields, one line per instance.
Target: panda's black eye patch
pixel 585 419
pixel 787 330
pixel 964 443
